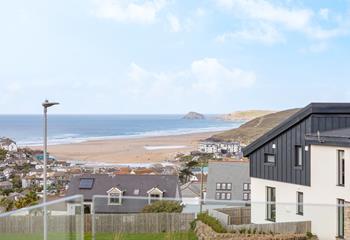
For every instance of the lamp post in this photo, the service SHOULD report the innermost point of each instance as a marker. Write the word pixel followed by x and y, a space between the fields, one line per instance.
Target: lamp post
pixel 46 104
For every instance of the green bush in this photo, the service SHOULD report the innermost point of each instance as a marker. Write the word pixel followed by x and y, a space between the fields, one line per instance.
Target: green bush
pixel 212 222
pixel 163 206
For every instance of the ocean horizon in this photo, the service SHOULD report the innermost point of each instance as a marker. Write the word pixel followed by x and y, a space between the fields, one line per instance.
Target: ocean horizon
pixel 27 130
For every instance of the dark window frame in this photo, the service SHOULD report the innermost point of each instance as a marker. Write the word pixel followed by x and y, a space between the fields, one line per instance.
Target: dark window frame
pixel 340 168
pixel 299 157
pixel 340 218
pixel 271 204
pixel 300 203
pixel 266 159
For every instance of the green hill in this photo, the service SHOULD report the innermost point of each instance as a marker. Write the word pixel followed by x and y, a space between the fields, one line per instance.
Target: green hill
pixel 245 115
pixel 250 131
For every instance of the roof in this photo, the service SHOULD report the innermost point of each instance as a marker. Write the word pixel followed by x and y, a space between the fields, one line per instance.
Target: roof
pixel 6 141
pixel 338 137
pixel 312 108
pixel 126 183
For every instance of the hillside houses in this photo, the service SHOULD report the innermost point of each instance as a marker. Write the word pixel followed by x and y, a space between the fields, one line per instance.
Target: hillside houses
pixel 8 144
pixel 221 149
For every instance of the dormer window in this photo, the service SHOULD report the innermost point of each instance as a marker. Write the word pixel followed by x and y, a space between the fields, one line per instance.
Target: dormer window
pixel 154 194
pixel 114 196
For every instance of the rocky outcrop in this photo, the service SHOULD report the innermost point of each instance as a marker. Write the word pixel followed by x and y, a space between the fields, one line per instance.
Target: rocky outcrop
pixel 193 116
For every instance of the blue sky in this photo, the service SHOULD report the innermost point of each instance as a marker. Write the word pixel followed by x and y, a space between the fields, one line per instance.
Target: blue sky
pixel 167 56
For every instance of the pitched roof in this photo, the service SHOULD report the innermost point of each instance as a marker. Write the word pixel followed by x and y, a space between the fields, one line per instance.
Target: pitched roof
pixel 126 183
pixel 312 108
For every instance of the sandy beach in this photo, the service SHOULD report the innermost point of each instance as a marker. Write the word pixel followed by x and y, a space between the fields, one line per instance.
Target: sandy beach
pixel 130 150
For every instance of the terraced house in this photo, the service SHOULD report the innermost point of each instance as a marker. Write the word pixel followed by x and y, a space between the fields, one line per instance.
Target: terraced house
pixel 300 170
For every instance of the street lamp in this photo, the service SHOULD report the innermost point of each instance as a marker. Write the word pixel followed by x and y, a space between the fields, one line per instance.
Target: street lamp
pixel 46 104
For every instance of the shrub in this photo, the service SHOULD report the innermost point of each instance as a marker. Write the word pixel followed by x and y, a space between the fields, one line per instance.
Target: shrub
pixel 212 222
pixel 163 206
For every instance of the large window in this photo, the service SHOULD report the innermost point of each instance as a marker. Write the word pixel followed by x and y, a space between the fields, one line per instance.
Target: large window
pixel 340 216
pixel 298 156
pixel 270 158
pixel 223 196
pixel 300 203
pixel 223 186
pixel 341 168
pixel 270 204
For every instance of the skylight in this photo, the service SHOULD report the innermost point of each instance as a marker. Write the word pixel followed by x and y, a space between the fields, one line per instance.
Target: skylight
pixel 86 183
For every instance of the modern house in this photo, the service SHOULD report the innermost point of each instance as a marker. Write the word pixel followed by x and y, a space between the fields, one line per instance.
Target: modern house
pixel 122 193
pixel 228 180
pixel 299 170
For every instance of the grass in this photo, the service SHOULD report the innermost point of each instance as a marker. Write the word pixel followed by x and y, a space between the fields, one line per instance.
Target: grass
pixel 104 236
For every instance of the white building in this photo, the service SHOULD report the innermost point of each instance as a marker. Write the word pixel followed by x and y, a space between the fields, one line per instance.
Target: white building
pixel 220 148
pixel 300 171
pixel 8 144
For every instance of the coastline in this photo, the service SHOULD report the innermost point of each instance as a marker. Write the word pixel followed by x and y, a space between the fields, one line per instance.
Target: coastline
pixel 148 149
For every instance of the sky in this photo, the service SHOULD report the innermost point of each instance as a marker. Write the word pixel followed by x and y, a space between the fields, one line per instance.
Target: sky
pixel 167 56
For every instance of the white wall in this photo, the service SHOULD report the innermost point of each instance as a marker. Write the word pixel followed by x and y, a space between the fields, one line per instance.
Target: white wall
pixel 319 200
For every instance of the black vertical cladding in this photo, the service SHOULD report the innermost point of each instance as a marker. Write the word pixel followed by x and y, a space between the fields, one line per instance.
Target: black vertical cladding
pixel 284 169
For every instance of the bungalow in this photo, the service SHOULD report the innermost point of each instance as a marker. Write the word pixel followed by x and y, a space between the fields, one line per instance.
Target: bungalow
pixel 299 171
pixel 119 193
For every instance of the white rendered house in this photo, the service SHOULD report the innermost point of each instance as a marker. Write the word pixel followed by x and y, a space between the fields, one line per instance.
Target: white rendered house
pixel 300 171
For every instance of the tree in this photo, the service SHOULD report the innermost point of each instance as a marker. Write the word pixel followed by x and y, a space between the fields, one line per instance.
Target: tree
pixel 29 199
pixel 6 203
pixel 3 153
pixel 163 206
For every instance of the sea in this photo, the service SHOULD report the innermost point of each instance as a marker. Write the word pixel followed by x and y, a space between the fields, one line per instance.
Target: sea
pixel 27 130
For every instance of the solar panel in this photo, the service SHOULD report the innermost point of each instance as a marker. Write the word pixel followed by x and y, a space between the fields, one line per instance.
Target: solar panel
pixel 86 183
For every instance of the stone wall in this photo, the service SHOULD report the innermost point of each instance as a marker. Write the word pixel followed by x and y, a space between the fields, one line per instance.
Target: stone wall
pixel 204 232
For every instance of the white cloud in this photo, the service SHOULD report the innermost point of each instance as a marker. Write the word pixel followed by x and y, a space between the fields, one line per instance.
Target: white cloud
pixel 266 11
pixel 264 33
pixel 204 77
pixel 280 18
pixel 324 13
pixel 144 12
pixel 212 77
pixel 174 23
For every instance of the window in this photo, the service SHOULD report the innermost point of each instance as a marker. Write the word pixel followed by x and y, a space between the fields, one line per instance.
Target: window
pixel 154 197
pixel 223 186
pixel 246 186
pixel 223 196
pixel 270 158
pixel 298 156
pixel 341 168
pixel 340 216
pixel 270 204
pixel 246 196
pixel 114 199
pixel 86 183
pixel 300 203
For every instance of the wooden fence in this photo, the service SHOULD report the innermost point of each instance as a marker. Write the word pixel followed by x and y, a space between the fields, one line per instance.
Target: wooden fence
pixel 232 216
pixel 133 223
